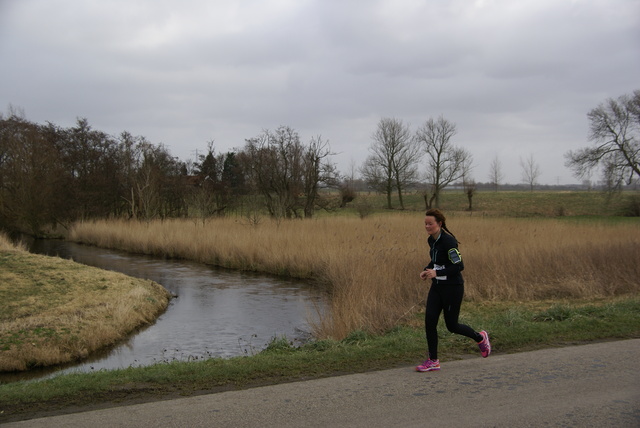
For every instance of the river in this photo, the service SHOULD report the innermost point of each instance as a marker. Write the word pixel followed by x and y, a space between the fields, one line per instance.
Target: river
pixel 218 313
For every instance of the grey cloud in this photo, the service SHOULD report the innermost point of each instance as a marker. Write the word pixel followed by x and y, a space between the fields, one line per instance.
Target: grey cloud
pixel 516 77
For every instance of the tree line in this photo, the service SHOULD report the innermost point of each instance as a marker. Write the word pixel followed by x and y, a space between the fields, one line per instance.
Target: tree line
pixel 53 176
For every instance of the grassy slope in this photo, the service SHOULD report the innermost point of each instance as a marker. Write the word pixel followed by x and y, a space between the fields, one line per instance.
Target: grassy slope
pixel 54 311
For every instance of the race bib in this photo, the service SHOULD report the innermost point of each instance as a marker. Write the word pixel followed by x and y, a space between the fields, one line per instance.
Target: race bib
pixel 437 267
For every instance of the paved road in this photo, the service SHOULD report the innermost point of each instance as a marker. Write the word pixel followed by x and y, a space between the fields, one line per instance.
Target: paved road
pixel 596 385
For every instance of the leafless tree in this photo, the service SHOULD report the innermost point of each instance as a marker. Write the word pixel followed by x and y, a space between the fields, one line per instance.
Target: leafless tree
pixel 149 181
pixel 317 171
pixel 275 168
pixel 495 172
pixel 615 130
pixel 346 187
pixel 374 175
pixel 51 176
pixel 31 179
pixel 530 171
pixel 392 163
pixel 470 190
pixel 446 162
pixel 468 183
pixel 285 172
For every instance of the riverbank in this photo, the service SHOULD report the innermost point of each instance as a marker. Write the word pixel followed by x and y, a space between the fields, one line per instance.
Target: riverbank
pixel 54 311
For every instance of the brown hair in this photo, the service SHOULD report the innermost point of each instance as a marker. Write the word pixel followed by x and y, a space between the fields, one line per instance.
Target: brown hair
pixel 440 218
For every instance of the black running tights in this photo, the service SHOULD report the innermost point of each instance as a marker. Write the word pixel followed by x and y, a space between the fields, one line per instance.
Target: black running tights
pixel 447 299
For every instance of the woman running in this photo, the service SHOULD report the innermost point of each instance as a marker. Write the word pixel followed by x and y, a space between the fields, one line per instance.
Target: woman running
pixel 447 290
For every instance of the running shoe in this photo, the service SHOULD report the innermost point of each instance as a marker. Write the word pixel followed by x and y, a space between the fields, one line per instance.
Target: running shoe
pixel 485 345
pixel 428 366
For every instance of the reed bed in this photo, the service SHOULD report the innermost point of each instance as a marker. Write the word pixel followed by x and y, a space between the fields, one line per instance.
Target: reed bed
pixel 370 267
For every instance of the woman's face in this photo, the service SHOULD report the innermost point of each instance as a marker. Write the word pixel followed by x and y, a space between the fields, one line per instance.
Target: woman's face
pixel 432 226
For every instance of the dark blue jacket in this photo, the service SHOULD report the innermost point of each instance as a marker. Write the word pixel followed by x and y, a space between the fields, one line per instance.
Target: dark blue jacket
pixel 445 259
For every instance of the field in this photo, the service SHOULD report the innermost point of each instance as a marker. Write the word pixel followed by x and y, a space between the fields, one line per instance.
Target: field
pixel 542 269
pixel 516 203
pixel 370 266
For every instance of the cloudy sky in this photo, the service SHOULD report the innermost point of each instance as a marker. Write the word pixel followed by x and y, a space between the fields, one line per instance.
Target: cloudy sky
pixel 517 77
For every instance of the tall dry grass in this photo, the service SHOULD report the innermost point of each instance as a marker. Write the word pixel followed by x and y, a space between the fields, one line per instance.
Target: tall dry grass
pixel 370 267
pixel 5 244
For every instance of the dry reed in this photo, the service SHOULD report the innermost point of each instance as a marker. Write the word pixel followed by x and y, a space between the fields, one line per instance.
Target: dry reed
pixel 370 267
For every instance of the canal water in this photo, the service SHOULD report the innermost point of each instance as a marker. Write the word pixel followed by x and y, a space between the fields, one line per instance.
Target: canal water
pixel 217 313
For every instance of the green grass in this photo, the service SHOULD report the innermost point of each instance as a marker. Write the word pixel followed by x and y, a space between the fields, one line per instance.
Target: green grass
pixel 538 203
pixel 507 203
pixel 513 327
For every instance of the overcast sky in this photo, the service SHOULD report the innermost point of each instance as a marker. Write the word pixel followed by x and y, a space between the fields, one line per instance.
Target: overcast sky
pixel 517 77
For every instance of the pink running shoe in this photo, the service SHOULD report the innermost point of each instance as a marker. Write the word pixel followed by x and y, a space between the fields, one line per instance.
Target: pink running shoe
pixel 428 366
pixel 485 345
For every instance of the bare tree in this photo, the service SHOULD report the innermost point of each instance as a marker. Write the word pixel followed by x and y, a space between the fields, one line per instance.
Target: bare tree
pixel 376 175
pixel 317 171
pixel 615 130
pixel 495 173
pixel 52 176
pixel 392 162
pixel 151 180
pixel 286 172
pixel 530 171
pixel 467 167
pixel 209 196
pixel 346 187
pixel 446 162
pixel 468 183
pixel 91 157
pixel 275 168
pixel 32 182
pixel 470 190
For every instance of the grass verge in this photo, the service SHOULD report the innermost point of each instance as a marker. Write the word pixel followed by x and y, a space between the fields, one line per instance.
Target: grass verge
pixel 514 327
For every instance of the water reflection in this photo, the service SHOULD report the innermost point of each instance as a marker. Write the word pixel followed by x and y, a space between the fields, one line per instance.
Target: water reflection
pixel 218 313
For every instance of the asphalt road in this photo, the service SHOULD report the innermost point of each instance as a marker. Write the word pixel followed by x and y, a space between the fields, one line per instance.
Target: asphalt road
pixel 595 385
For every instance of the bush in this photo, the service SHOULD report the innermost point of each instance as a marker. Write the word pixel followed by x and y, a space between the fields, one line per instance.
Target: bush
pixel 278 344
pixel 632 208
pixel 363 207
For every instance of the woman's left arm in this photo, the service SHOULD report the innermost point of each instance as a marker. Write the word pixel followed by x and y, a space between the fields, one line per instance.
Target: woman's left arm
pixel 450 260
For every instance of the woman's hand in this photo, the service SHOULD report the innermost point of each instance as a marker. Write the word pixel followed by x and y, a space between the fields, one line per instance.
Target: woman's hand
pixel 427 274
